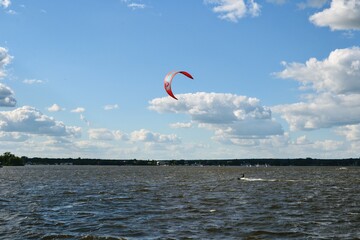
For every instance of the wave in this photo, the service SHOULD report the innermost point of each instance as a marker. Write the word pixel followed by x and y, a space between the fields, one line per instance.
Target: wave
pixel 86 237
pixel 257 179
pixel 271 180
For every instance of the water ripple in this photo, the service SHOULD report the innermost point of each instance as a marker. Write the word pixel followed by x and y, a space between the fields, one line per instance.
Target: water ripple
pixel 89 202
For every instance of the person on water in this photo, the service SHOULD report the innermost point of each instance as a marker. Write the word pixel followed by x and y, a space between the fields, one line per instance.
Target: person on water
pixel 243 175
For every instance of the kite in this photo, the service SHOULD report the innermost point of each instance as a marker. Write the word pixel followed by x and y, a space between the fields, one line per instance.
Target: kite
pixel 168 79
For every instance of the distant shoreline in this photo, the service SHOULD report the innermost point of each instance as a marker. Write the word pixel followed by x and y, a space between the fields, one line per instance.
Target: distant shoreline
pixel 196 162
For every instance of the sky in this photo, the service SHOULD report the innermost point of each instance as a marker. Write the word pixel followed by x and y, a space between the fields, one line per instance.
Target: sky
pixel 272 79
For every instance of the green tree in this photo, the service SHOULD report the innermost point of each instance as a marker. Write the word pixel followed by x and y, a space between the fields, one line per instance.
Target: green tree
pixel 9 159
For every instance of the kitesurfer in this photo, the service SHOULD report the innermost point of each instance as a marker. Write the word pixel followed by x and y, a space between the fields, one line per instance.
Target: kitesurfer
pixel 242 176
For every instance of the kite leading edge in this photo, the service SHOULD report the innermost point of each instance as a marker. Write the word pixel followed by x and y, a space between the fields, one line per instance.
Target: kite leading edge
pixel 168 79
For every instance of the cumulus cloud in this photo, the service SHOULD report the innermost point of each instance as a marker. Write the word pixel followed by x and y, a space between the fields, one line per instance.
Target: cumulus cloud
pixel 5 3
pixel 335 81
pixel 322 111
pixel 111 107
pixel 100 134
pixel 342 15
pixel 104 134
pixel 213 108
pixel 55 108
pixel 30 120
pixel 329 145
pixel 6 96
pixel 78 110
pixel 233 10
pixel 351 132
pixel 144 135
pixel 229 116
pixel 302 140
pixel 13 137
pixel 339 73
pixel 5 59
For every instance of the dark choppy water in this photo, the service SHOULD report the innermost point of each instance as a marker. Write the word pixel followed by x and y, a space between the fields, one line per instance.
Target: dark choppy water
pixel 112 202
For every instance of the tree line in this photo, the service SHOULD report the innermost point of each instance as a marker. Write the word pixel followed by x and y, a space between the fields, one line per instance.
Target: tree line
pixel 9 159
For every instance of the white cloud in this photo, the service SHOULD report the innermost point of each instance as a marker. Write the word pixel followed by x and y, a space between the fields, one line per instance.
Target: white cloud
pixel 81 110
pixel 229 116
pixel 33 81
pixel 92 147
pixel 100 134
pixel 27 119
pixel 78 110
pixel 13 137
pixel 84 119
pixel 233 10
pixel 144 135
pixel 111 107
pixel 342 15
pixel 118 135
pixel 136 6
pixel 339 73
pixel 5 3
pixel 328 145
pixel 351 132
pixel 104 134
pixel 55 108
pixel 302 140
pixel 213 108
pixel 141 135
pixel 336 83
pixel 180 125
pixel 253 8
pixel 322 111
pixel 5 59
pixel 6 96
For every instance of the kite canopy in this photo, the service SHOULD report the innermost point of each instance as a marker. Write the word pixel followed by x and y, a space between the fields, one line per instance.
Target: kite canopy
pixel 168 79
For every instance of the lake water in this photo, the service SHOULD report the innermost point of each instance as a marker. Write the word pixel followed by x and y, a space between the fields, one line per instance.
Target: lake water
pixel 180 202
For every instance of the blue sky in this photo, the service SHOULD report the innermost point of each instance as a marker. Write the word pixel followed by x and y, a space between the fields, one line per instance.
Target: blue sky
pixel 272 78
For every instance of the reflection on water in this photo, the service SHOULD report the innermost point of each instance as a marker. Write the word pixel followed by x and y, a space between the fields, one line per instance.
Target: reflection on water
pixel 113 202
